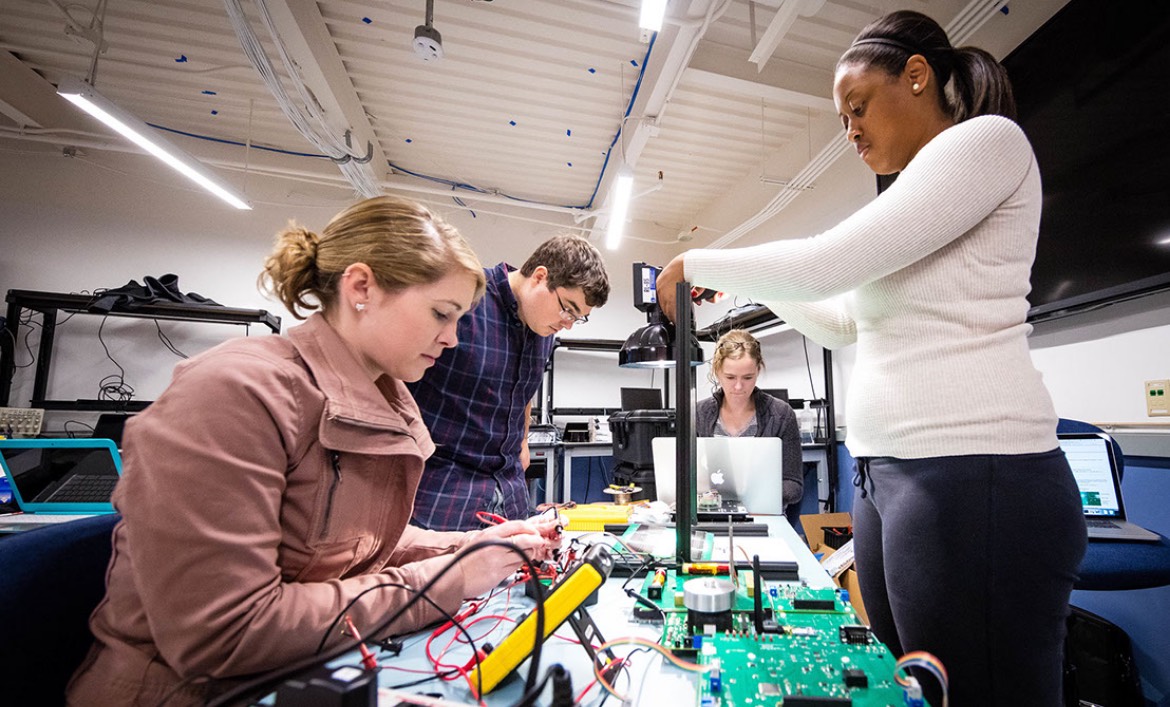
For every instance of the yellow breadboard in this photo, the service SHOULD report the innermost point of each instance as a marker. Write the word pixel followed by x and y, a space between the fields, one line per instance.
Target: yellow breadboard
pixel 594 516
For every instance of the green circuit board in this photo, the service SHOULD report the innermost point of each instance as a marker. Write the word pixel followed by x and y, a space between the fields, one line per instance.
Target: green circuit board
pixel 816 653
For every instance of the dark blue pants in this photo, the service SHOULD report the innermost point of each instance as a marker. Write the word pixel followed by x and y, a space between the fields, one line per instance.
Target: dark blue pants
pixel 972 558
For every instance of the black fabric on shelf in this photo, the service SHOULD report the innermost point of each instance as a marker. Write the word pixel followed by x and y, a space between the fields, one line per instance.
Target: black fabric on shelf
pixel 155 290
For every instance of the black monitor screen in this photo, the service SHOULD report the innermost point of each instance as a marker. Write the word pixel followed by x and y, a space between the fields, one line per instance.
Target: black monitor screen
pixel 641 399
pixel 1091 87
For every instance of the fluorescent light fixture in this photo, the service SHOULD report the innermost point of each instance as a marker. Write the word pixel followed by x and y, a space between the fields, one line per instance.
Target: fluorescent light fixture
pixel 623 189
pixel 86 98
pixel 653 12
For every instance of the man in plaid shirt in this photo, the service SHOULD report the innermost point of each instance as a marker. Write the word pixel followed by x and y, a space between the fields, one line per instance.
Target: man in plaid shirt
pixel 477 398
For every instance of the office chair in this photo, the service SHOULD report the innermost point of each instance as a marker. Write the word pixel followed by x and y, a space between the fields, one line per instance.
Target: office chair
pixel 51 579
pixel 1112 566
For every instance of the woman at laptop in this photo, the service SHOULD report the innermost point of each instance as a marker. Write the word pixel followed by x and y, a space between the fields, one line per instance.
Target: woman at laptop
pixel 953 430
pixel 271 484
pixel 739 409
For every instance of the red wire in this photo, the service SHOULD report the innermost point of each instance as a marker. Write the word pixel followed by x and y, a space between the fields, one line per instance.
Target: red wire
pixel 369 662
pixel 489 518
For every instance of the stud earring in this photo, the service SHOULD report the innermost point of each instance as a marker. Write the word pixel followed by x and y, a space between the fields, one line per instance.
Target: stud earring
pixel 360 306
pixel 915 88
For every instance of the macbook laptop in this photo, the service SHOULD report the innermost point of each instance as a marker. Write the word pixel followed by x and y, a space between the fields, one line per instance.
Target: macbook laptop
pixel 1095 468
pixel 744 471
pixel 59 479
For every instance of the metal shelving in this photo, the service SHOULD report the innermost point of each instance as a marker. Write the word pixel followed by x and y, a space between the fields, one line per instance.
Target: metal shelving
pixel 50 303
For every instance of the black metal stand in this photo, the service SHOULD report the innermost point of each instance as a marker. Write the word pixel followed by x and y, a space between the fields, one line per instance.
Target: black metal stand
pixel 686 445
pixel 590 635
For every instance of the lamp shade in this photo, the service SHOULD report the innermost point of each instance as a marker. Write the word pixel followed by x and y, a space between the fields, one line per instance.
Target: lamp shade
pixel 652 346
pixel 648 347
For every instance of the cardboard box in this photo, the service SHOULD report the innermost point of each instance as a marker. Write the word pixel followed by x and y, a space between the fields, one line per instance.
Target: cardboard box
pixel 814 532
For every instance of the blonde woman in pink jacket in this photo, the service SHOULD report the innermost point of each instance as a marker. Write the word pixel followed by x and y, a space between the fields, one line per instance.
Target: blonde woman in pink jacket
pixel 272 482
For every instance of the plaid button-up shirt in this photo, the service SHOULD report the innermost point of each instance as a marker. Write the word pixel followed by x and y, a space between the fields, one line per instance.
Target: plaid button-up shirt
pixel 473 401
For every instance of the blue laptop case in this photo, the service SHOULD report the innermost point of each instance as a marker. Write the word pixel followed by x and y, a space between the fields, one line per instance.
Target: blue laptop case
pixel 62 476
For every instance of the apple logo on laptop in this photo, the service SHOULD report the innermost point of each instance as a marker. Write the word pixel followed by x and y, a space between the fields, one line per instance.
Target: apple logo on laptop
pixel 717 478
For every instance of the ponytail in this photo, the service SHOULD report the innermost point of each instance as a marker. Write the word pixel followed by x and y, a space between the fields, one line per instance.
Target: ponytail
pixel 970 81
pixel 980 86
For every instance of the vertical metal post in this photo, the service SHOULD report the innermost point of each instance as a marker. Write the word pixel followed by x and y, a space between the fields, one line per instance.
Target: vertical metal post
pixel 685 449
pixel 8 349
pixel 830 432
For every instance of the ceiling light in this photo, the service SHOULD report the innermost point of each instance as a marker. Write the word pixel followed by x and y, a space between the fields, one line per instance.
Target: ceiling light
pixel 623 188
pixel 85 97
pixel 650 19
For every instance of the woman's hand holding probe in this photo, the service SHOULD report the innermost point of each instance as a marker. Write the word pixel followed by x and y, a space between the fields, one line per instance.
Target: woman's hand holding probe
pixel 536 538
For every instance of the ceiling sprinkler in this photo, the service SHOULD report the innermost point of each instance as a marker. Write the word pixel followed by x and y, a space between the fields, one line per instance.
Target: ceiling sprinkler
pixel 428 43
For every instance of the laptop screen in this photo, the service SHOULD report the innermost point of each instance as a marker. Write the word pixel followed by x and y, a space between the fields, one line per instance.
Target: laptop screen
pixel 1091 459
pixel 744 470
pixel 68 473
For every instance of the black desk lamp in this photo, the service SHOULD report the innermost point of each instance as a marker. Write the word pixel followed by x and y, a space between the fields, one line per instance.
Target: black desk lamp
pixel 652 346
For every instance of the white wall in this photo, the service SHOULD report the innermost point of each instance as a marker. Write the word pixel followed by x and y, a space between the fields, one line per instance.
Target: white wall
pixel 75 225
pixel 78 225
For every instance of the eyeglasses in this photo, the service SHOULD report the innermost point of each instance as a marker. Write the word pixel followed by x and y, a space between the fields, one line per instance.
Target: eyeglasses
pixel 568 316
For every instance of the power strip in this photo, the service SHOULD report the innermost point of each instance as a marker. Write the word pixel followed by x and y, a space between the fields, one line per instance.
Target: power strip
pixel 21 422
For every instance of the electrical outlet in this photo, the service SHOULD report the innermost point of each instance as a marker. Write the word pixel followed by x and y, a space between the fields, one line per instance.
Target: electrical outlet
pixel 1158 398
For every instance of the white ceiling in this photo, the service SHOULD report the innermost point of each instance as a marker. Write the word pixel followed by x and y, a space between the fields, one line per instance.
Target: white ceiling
pixel 525 107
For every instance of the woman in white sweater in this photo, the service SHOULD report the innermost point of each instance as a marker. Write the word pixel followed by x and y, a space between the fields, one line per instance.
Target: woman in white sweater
pixel 952 427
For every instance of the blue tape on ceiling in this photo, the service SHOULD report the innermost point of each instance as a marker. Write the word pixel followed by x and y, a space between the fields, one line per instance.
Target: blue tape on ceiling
pixel 512 123
pixel 182 59
pixel 408 141
pixel 367 20
pixel 568 133
pixel 205 92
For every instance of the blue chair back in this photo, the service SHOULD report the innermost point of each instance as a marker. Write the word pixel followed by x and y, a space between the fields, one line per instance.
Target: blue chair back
pixel 51 579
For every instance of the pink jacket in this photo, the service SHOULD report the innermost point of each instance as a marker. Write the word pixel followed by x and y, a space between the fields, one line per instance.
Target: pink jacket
pixel 268 486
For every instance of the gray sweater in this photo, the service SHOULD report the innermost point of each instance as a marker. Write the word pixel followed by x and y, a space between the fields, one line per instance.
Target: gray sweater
pixel 775 418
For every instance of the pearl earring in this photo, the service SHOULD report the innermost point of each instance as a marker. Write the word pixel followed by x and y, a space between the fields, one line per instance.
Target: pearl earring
pixel 915 88
pixel 360 306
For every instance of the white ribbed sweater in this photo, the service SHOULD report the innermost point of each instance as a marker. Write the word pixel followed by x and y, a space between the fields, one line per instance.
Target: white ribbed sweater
pixel 934 274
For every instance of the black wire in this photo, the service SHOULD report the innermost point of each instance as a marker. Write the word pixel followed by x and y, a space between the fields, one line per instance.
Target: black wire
pixel 28 322
pixel 646 564
pixel 588 476
pixel 268 680
pixel 167 341
pixel 530 695
pixel 66 424
pixel 113 386
pixel 345 610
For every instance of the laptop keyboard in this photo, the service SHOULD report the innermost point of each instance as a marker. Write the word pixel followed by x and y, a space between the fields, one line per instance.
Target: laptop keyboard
pixel 85 489
pixel 1101 524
